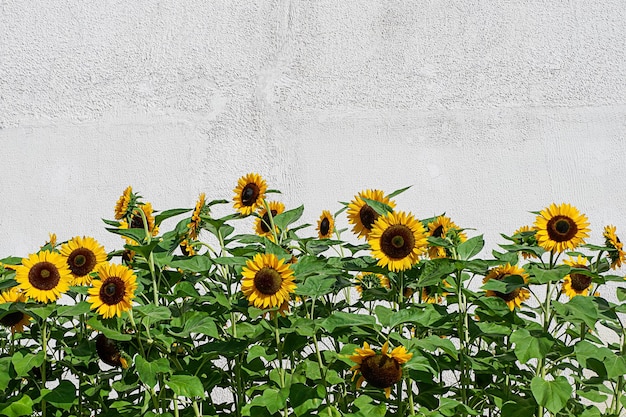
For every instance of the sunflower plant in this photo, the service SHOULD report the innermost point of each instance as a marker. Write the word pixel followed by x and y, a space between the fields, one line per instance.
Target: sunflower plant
pixel 270 311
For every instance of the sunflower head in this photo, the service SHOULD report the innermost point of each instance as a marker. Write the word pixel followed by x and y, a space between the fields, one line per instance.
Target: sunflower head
pixel 249 193
pixel 15 320
pixel 616 247
pixel 368 280
pixel 136 222
pixel 381 370
pixel 109 352
pixel 444 228
pixel 430 295
pixel 43 276
pixel 576 283
pixel 361 215
pixel 517 296
pixel 561 227
pixel 525 235
pixel 113 291
pixel 397 240
pixel 267 282
pixel 196 220
pixel 263 222
pixel 187 248
pixel 325 225
pixel 125 203
pixel 82 255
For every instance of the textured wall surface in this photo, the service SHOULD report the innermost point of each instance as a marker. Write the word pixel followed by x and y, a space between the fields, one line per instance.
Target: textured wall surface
pixel 489 109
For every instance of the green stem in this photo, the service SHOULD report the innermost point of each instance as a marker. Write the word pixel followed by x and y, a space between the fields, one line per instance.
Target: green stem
pixel 44 348
pixel 409 390
pixel 281 370
pixel 155 287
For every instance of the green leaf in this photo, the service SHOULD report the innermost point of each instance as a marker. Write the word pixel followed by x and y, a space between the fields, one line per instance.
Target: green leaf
pixel 579 309
pixel 432 343
pixel 198 263
pixel 621 293
pixel 148 370
pixel 167 214
pixel 519 408
pixel 506 285
pixel 62 396
pixel 341 319
pixel 288 217
pixel 272 400
pixel 315 286
pixel 74 310
pixel 470 247
pixel 615 366
pixel 380 208
pixel 152 313
pixel 24 363
pixel 144 250
pixel 5 366
pixel 109 333
pixel 401 190
pixel 21 407
pixel 529 346
pixel 543 276
pixel 186 386
pixel 552 395
pixel 136 234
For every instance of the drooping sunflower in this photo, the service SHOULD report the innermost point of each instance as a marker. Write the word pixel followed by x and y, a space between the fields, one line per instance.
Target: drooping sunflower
pixel 523 236
pixel 262 224
pixel 187 248
pixel 517 296
pixel 113 291
pixel 109 352
pixel 366 280
pixel 430 295
pixel 194 224
pixel 136 222
pixel 43 276
pixel 267 282
pixel 249 193
pixel 325 225
pixel 397 240
pixel 121 207
pixel 15 320
pixel 442 227
pixel 381 370
pixel 616 247
pixel 576 283
pixel 561 227
pixel 362 215
pixel 82 255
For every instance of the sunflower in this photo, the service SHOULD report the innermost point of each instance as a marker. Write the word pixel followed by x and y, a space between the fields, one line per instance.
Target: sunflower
pixel 523 236
pixel 381 370
pixel 267 282
pixel 249 193
pixel 430 295
pixel 109 352
pixel 367 280
pixel 44 276
pixel 194 225
pixel 442 227
pixel 187 248
pixel 16 320
pixel 397 240
pixel 325 225
pixel 82 255
pixel 575 283
pixel 136 222
pixel 616 247
pixel 362 215
pixel 113 292
pixel 561 227
pixel 514 298
pixel 262 225
pixel 121 207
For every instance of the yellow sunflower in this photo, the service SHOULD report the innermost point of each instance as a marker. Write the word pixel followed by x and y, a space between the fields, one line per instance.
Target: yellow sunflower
pixel 366 280
pixel 249 193
pixel 561 227
pixel 109 352
pixel 113 291
pixel 121 207
pixel 82 255
pixel 430 295
pixel 442 227
pixel 397 240
pixel 267 282
pixel 262 225
pixel 577 284
pixel 362 215
pixel 15 320
pixel 194 225
pixel 381 370
pixel 43 276
pixel 522 237
pixel 517 296
pixel 616 247
pixel 325 225
pixel 136 222
pixel 187 248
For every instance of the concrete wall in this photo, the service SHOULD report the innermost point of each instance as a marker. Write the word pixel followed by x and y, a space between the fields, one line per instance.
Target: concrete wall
pixel 489 109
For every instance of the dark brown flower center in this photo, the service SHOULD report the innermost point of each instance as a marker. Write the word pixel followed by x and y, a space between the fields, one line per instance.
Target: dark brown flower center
pixel 268 281
pixel 438 232
pixel 506 296
pixel 562 228
pixel 265 222
pixel 580 282
pixel 249 194
pixel 81 261
pixel 381 371
pixel 44 276
pixel 325 226
pixel 136 222
pixel 12 319
pixel 368 216
pixel 108 351
pixel 112 290
pixel 397 241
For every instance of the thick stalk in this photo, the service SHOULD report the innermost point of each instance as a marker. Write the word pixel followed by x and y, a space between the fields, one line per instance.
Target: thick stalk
pixel 44 348
pixel 281 370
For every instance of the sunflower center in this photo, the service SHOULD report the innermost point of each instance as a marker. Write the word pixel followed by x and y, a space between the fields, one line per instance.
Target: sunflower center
pixel 12 319
pixel 81 261
pixel 381 371
pixel 438 232
pixel 561 228
pixel 249 194
pixel 112 290
pixel 107 350
pixel 397 241
pixel 268 281
pixel 136 222
pixel 325 226
pixel 508 296
pixel 44 276
pixel 368 216
pixel 580 282
pixel 266 221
